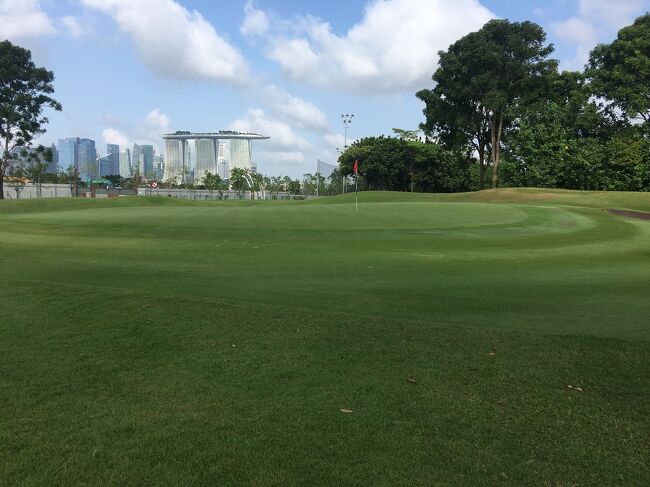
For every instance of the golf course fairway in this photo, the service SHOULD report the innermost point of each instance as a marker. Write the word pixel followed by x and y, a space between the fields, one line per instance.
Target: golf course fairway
pixel 499 337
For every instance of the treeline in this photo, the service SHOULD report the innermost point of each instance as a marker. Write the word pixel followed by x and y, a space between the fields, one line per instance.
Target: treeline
pixel 501 114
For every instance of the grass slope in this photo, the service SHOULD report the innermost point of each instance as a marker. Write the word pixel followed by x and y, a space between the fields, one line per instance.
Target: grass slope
pixel 148 341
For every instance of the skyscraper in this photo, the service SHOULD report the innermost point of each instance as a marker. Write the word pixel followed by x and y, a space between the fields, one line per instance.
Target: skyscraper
pixel 176 160
pixel 240 154
pixel 206 157
pixel 136 161
pixel 113 152
pixel 53 166
pixel 68 153
pixel 87 158
pixel 146 160
pixel 125 163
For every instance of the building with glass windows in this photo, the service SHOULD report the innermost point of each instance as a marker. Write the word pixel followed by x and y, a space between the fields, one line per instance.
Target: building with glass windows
pixel 125 163
pixel 80 154
pixel 214 152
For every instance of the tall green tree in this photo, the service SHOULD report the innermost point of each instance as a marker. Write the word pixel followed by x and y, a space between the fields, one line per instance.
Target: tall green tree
pixel 620 71
pixel 212 182
pixel 239 180
pixel 36 163
pixel 24 95
pixel 482 80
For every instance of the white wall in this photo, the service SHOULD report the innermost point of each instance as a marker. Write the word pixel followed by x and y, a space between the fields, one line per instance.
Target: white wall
pixel 31 191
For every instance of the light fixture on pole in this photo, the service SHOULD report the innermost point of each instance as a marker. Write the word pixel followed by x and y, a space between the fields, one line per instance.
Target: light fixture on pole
pixel 346 118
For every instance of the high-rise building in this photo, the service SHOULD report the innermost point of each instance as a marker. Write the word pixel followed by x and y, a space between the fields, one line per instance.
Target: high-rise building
pixel 80 154
pixel 159 166
pixel 87 158
pixel 125 163
pixel 240 154
pixel 176 160
pixel 146 161
pixel 67 153
pixel 113 166
pixel 53 165
pixel 136 160
pixel 206 158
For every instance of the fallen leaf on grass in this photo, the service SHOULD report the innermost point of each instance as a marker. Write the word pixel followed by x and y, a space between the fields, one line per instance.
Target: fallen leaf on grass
pixel 411 380
pixel 346 411
pixel 147 306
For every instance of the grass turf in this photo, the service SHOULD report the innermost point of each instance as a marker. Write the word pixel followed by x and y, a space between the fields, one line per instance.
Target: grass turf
pixel 149 341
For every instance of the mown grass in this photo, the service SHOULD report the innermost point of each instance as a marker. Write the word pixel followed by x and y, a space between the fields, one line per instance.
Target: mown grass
pixel 153 341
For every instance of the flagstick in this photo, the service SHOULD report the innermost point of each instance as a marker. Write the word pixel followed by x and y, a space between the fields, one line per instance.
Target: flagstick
pixel 356 191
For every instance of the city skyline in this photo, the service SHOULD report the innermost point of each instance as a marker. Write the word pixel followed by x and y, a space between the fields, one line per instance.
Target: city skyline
pixel 281 68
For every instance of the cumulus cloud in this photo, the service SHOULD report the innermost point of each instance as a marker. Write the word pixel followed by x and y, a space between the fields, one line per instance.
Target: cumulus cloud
pixel 615 14
pixel 114 136
pixel 393 48
pixel 281 133
pixel 148 131
pixel 284 152
pixel 22 19
pixel 72 26
pixel 176 42
pixel 295 110
pixel 255 22
pixel 597 21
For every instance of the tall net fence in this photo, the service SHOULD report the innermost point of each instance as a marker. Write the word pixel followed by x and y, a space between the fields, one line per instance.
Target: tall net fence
pixel 327 181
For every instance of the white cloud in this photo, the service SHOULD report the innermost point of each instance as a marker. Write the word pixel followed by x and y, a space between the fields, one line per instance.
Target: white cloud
pixel 114 136
pixel 295 110
pixel 281 133
pixel 72 26
pixel 579 32
pixel 614 13
pixel 24 18
pixel 152 128
pixel 175 42
pixel 286 157
pixel 283 151
pixel 393 48
pixel 334 140
pixel 149 131
pixel 255 22
pixel 597 21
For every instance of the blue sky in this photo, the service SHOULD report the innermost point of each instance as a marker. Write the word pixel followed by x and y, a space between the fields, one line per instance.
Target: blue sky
pixel 129 70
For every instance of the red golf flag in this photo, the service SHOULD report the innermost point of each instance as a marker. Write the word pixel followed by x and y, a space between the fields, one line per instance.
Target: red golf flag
pixel 356 166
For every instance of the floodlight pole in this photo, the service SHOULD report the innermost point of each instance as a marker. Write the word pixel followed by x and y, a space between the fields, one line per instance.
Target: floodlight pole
pixel 346 118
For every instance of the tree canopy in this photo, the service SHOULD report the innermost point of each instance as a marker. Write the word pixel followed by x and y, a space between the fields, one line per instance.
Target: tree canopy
pixel 620 72
pixel 482 79
pixel 24 94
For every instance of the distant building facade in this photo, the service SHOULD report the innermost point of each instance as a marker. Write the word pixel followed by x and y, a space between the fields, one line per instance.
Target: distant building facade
pixel 211 154
pixel 80 154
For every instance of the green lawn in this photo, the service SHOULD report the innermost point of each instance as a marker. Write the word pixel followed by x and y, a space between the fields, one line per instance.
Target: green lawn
pixel 150 341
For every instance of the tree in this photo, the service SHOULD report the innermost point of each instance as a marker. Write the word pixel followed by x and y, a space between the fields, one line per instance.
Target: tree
pixel 24 94
pixel 456 117
pixel 238 180
pixel 392 164
pixel 36 163
pixel 620 72
pixel 212 182
pixel 408 135
pixel 482 80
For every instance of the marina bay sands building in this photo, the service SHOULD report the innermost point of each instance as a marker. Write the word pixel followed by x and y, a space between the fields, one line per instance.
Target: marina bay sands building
pixel 214 152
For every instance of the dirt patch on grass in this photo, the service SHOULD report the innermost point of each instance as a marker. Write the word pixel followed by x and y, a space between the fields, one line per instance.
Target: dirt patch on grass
pixel 631 214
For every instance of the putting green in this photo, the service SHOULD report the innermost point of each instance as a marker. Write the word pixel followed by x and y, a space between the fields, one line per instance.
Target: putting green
pixel 532 267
